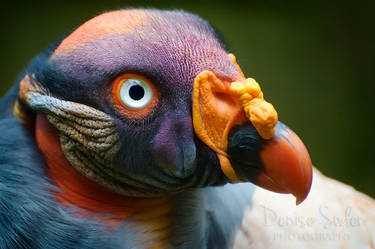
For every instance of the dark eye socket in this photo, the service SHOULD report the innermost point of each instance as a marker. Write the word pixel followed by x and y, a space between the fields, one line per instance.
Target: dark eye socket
pixel 136 92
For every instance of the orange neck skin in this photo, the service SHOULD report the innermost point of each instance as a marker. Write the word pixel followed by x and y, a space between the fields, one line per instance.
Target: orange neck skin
pixel 76 189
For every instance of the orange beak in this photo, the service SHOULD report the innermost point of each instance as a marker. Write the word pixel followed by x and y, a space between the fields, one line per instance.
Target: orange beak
pixel 280 164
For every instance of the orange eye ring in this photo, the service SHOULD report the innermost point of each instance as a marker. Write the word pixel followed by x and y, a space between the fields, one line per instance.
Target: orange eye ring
pixel 134 96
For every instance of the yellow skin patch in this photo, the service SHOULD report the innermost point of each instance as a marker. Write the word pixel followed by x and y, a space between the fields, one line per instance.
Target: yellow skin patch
pixel 214 114
pixel 260 113
pixel 220 105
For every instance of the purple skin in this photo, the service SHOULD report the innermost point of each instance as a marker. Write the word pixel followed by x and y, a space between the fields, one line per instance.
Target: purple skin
pixel 173 145
pixel 171 49
pixel 176 46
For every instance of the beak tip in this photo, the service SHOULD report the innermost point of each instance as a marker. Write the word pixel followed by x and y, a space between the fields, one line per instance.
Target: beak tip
pixel 288 163
pixel 299 200
pixel 302 195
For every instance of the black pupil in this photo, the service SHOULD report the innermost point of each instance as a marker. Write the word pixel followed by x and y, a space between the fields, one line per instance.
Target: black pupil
pixel 136 92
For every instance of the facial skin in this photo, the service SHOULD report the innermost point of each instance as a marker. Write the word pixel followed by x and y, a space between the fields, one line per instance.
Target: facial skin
pixel 160 152
pixel 147 154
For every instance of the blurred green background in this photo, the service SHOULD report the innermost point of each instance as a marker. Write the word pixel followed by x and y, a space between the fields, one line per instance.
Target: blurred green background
pixel 315 62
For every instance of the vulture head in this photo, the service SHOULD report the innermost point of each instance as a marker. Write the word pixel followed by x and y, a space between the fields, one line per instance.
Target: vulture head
pixel 142 102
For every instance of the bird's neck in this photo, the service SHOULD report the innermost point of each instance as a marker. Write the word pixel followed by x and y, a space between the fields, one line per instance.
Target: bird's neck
pixel 96 201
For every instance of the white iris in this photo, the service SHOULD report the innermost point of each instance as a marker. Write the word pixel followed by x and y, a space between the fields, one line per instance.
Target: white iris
pixel 135 93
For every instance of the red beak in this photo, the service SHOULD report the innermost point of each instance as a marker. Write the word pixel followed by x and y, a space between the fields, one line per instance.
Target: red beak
pixel 281 164
pixel 287 164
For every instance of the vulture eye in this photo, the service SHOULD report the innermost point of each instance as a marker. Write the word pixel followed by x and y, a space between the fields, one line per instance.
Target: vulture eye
pixel 134 95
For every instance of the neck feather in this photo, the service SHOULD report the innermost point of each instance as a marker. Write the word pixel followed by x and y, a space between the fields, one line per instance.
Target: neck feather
pixel 93 199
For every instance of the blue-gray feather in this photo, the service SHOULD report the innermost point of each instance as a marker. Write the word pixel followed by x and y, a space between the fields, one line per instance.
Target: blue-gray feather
pixel 30 217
